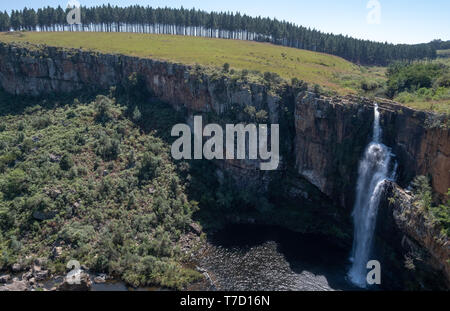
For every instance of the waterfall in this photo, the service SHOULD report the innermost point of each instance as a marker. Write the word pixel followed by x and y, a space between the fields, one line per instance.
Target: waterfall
pixel 372 174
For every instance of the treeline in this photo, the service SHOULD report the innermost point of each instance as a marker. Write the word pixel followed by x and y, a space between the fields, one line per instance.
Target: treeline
pixel 227 25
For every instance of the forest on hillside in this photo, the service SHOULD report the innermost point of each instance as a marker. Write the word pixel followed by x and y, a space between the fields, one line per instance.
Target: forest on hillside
pixel 228 25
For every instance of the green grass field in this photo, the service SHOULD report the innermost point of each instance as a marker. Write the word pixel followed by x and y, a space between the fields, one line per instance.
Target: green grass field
pixel 330 72
pixel 443 53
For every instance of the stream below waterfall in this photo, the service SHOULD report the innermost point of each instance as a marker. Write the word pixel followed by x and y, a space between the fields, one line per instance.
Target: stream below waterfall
pixel 268 258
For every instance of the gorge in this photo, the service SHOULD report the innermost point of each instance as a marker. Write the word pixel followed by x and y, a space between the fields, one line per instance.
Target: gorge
pixel 322 140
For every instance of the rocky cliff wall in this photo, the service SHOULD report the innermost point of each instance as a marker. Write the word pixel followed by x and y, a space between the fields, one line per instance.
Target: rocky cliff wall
pixel 331 134
pixel 410 243
pixel 46 70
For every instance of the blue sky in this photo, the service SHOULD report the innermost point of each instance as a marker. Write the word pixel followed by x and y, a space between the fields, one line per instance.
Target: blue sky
pixel 401 21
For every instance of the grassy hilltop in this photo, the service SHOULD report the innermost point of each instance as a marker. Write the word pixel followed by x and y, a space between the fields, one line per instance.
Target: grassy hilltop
pixel 331 72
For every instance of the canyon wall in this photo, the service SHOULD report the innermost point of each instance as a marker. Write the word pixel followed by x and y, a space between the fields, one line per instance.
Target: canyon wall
pixel 408 238
pixel 323 143
pixel 331 134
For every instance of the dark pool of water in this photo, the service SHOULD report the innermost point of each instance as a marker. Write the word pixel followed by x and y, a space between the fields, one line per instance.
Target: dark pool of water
pixel 266 258
pixel 251 257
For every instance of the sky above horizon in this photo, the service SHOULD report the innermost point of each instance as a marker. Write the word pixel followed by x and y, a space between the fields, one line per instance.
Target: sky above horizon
pixel 396 21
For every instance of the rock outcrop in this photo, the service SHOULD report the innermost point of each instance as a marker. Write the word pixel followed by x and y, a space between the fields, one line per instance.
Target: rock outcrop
pixel 76 281
pixel 331 134
pixel 410 243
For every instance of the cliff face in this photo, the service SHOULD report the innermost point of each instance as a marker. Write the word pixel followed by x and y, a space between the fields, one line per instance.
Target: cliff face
pixel 331 134
pixel 52 70
pixel 325 142
pixel 407 238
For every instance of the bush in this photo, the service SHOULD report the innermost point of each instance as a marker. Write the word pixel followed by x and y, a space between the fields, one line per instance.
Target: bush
pixel 149 167
pixel 136 114
pixel 77 234
pixel 317 89
pixel 272 78
pixel 422 191
pixel 443 81
pixel 107 148
pixel 66 162
pixel 41 122
pixel 442 215
pixel 369 85
pixel 16 183
pixel 411 77
pixel 103 106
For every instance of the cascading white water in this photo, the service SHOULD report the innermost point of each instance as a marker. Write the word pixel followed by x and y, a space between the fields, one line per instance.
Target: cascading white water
pixel 372 174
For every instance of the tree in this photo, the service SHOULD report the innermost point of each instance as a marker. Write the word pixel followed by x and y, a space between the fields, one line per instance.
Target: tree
pixel 4 21
pixel 225 25
pixel 16 20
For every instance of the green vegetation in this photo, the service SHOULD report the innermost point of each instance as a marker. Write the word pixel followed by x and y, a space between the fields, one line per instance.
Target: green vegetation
pixel 439 215
pixel 330 72
pixel 422 85
pixel 79 174
pixel 444 53
pixel 136 18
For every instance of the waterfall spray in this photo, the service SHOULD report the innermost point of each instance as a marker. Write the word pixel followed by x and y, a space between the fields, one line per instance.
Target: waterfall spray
pixel 372 174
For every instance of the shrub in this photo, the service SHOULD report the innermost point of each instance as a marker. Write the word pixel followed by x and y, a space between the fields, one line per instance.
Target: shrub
pixel 410 77
pixel 136 114
pixel 16 183
pixel 442 215
pixel 77 233
pixel 41 122
pixel 103 109
pixel 369 85
pixel 422 191
pixel 149 167
pixel 108 148
pixel 272 78
pixel 66 162
pixel 317 89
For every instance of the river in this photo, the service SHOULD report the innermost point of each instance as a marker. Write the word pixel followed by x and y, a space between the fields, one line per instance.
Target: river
pixel 268 258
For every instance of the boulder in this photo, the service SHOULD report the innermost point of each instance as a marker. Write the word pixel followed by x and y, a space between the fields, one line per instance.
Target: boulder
pixel 76 281
pixel 196 228
pixel 15 286
pixel 5 279
pixel 38 215
pixel 100 279
pixel 41 275
pixel 54 158
pixel 57 251
pixel 17 267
